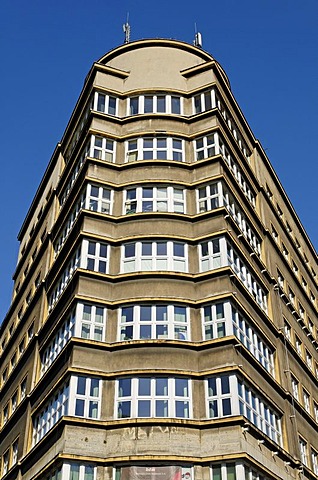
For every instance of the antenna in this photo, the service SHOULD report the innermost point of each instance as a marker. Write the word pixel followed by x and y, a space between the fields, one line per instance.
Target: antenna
pixel 126 29
pixel 197 37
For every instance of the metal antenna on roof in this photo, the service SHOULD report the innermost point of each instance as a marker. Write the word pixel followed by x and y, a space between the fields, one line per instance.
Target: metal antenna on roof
pixel 126 29
pixel 197 37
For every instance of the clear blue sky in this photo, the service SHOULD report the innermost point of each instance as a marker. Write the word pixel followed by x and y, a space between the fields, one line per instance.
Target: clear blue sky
pixel 268 48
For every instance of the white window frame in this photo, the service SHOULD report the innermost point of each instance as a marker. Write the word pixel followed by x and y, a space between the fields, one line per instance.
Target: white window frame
pixel 295 387
pixel 170 398
pixel 153 262
pixel 172 328
pixel 87 399
pixel 94 328
pixel 102 148
pixel 218 397
pixel 154 148
pixel 99 202
pixel 306 401
pixel 216 320
pixel 168 104
pixel 201 102
pixel 212 254
pixel 314 460
pixel 107 99
pixel 209 197
pixel 96 262
pixel 135 200
pixel 303 451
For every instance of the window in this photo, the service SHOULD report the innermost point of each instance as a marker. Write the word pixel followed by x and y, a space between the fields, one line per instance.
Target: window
pixel 295 387
pixel 295 268
pixel 159 103
pixel 13 360
pixel 158 148
pixel 204 101
pixel 287 330
pixel 291 296
pixel 5 414
pixel 303 451
pixel 14 401
pixel 101 148
pixel 285 251
pixel 252 340
pixel 154 199
pixel 309 359
pixel 303 283
pixel 280 279
pixel 14 452
pixel 64 333
pixel 259 413
pixel 311 327
pixel 80 396
pixel 219 395
pixel 98 199
pixel 314 461
pixel 92 321
pixel 22 388
pixel 105 103
pixel 299 345
pixel 210 254
pixel 227 471
pixel 274 234
pixel 217 195
pixel 153 397
pixel 77 471
pixel 214 320
pixel 94 198
pixel 306 400
pixel 5 462
pixel 279 210
pixel 95 256
pixel 229 395
pixel 159 255
pixel 144 322
pixel 87 397
pixel 206 147
pixel 316 411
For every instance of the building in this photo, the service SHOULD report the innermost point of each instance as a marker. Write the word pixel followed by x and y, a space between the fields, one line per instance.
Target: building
pixel 164 315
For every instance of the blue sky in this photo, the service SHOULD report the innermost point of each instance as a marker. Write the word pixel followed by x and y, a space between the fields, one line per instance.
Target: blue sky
pixel 268 48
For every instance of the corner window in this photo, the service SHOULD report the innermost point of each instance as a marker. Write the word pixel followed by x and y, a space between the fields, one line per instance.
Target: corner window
pixel 105 103
pixel 159 255
pixel 154 199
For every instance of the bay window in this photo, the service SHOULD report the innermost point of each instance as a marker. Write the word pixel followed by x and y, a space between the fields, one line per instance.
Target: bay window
pixel 153 397
pixel 159 103
pixel 105 103
pixel 155 148
pixel 154 199
pixel 144 322
pixel 154 255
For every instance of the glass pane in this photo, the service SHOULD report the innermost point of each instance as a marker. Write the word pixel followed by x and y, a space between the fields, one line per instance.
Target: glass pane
pixel 148 104
pixel 147 206
pixel 161 408
pixel 213 409
pixel 126 333
pixel 178 249
pixel 79 408
pixel 145 313
pixel 182 409
pixel 85 330
pixel 94 387
pixel 143 408
pixel 225 384
pixel 208 332
pixel 212 386
pixel 102 267
pixel 161 386
pixel 175 105
pixel 127 314
pixel 98 333
pixel 179 314
pixel 112 106
pixel 144 386
pixel 180 333
pixel 89 472
pixel 91 248
pixel 124 387
pixel 161 331
pixel 129 250
pixel 161 104
pixel 162 248
pixel 94 191
pixel 231 472
pixel 216 472
pixel 146 248
pixel 99 315
pixel 87 312
pixel 221 329
pixel 181 387
pixel 219 310
pixel 145 331
pixel 134 106
pixel 81 384
pixel 103 250
pixel 124 409
pixel 161 313
pixel 226 405
pixel 93 410
pixel 74 473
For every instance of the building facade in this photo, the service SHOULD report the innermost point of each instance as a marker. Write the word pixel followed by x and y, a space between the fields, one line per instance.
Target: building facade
pixel 164 315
